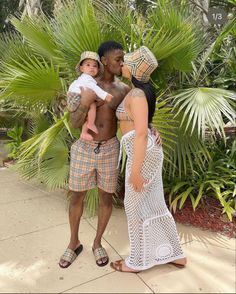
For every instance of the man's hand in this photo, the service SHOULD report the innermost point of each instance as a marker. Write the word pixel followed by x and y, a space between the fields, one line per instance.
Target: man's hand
pixel 157 136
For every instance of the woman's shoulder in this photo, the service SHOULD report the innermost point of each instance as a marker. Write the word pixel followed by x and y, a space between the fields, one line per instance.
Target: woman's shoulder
pixel 136 92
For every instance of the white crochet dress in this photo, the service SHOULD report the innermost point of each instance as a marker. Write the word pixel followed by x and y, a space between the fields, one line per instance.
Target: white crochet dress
pixel 152 230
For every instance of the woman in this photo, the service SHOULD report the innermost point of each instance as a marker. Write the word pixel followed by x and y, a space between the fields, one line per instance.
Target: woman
pixel 152 230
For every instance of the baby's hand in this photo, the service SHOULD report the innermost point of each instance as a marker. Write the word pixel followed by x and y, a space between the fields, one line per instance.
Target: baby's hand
pixel 109 98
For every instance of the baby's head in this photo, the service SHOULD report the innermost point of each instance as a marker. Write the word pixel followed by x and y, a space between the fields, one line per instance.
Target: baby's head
pixel 89 63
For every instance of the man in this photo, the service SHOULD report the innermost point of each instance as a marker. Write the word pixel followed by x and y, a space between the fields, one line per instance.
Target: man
pixel 94 164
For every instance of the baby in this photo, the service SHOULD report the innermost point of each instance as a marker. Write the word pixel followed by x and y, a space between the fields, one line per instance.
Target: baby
pixel 89 65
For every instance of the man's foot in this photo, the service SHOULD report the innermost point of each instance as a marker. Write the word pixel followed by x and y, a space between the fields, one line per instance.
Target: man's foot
pixel 92 127
pixel 86 136
pixel 120 266
pixel 101 256
pixel 69 256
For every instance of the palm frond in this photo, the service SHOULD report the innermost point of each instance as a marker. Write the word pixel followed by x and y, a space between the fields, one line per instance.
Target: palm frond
pixel 52 170
pixel 164 122
pixel 30 81
pixel 182 149
pixel 13 49
pixel 91 202
pixel 76 29
pixel 122 22
pixel 54 167
pixel 39 144
pixel 174 39
pixel 39 34
pixel 204 108
pixel 229 27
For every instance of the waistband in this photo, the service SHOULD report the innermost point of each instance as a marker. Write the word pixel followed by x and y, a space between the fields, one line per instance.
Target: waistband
pixel 101 143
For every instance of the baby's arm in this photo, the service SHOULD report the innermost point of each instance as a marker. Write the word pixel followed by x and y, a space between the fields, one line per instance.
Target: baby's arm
pixel 100 92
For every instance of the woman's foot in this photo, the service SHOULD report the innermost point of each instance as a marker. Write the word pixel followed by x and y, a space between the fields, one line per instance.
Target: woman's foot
pixel 180 263
pixel 120 266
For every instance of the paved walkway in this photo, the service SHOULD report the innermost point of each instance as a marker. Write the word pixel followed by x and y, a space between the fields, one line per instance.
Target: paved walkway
pixel 34 232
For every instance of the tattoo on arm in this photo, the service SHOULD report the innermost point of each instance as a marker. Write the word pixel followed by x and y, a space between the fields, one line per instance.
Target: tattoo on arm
pixel 78 117
pixel 78 111
pixel 73 101
pixel 137 93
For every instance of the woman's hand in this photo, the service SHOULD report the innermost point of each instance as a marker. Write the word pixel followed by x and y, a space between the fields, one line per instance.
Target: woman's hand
pixel 157 136
pixel 137 181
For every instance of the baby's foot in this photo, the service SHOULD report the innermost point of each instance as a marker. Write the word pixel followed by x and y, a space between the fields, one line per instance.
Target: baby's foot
pixel 92 128
pixel 86 136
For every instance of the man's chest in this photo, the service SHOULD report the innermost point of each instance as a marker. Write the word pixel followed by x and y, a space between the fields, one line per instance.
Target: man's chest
pixel 118 93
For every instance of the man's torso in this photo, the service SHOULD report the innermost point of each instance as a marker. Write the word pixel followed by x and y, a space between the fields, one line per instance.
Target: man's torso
pixel 106 121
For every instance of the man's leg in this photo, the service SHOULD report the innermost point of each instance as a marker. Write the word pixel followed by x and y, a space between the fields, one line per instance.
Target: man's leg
pixel 75 213
pixel 104 214
pixel 107 174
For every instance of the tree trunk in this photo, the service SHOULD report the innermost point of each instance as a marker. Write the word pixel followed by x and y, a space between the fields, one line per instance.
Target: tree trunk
pixel 30 7
pixel 57 5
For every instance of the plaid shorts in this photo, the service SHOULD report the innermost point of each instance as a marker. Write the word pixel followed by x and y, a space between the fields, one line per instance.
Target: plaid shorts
pixel 93 165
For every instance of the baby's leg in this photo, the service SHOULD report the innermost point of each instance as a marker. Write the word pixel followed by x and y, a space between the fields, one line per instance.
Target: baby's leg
pixel 84 134
pixel 92 117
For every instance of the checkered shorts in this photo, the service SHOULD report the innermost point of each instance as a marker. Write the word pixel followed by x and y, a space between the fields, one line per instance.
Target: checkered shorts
pixel 93 165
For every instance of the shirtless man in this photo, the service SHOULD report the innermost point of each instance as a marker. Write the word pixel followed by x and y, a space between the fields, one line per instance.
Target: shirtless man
pixel 94 163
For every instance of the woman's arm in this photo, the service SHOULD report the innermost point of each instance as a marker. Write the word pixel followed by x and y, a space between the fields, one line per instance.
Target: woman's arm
pixel 139 112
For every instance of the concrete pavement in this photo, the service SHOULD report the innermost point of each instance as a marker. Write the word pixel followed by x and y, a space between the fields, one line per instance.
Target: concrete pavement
pixel 34 232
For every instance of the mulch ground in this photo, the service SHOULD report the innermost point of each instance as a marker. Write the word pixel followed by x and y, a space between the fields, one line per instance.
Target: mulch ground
pixel 208 216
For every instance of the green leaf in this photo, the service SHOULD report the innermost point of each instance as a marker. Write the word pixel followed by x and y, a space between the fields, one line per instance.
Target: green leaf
pixel 199 196
pixel 184 196
pixel 76 29
pixel 91 201
pixel 178 41
pixel 204 108
pixel 31 81
pixel 38 33
pixel 173 204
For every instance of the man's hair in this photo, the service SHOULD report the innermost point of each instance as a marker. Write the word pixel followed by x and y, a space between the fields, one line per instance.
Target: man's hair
pixel 108 46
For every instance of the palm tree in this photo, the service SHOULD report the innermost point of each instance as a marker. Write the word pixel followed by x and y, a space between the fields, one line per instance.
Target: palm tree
pixel 30 7
pixel 38 64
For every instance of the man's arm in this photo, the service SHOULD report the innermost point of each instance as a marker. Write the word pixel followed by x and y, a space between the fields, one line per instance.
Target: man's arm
pixel 78 106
